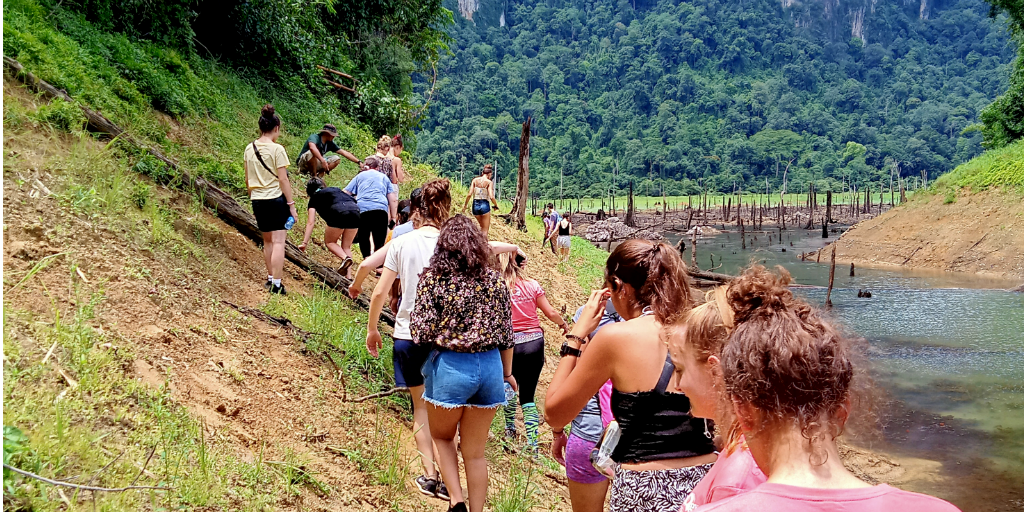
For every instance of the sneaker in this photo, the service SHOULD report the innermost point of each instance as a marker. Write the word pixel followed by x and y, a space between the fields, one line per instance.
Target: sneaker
pixel 511 434
pixel 267 285
pixel 458 507
pixel 278 290
pixel 427 486
pixel 442 492
pixel 345 265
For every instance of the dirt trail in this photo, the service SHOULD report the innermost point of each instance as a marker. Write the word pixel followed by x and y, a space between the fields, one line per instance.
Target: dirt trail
pixel 979 233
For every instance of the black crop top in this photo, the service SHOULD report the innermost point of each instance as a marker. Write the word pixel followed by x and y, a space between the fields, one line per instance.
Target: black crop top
pixel 657 425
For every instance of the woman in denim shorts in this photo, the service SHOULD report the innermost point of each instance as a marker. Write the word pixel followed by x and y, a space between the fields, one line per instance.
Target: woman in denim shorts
pixel 463 310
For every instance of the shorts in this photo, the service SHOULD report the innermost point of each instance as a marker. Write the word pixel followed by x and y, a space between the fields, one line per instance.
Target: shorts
pixel 307 164
pixel 408 359
pixel 460 379
pixel 564 241
pixel 659 490
pixel 577 462
pixel 343 220
pixel 481 207
pixel 271 214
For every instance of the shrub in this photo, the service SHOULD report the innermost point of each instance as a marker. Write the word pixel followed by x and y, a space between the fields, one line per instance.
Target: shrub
pixel 61 115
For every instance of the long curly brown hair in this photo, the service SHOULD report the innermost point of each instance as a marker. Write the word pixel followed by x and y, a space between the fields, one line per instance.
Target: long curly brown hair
pixel 461 249
pixel 785 359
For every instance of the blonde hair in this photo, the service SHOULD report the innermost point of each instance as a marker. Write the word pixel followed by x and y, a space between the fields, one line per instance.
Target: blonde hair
pixel 510 272
pixel 384 144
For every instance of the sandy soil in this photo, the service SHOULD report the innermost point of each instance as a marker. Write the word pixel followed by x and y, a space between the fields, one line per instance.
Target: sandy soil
pixel 980 233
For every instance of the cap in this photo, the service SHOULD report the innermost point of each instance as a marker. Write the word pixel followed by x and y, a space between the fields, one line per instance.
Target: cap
pixel 329 129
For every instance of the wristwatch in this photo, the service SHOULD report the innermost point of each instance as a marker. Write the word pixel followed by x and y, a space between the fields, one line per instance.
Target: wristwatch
pixel 569 351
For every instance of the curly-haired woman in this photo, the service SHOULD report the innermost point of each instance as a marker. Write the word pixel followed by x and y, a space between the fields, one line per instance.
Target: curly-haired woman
pixel 464 312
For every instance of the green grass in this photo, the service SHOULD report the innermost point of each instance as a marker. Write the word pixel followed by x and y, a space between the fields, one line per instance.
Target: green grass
pixel 1003 167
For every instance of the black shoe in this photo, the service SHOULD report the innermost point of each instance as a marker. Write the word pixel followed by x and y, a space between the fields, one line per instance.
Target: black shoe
pixel 343 269
pixel 268 285
pixel 427 486
pixel 458 507
pixel 442 492
pixel 278 290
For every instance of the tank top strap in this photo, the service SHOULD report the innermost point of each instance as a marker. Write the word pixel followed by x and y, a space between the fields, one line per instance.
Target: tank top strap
pixel 666 375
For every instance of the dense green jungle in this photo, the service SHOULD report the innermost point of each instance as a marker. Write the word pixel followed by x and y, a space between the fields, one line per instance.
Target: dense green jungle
pixel 679 97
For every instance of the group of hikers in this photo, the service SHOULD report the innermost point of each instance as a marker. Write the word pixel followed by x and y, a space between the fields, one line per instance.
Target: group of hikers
pixel 728 402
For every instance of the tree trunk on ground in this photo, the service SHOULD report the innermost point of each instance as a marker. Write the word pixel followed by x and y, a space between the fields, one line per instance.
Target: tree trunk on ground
pixel 629 206
pixel 213 197
pixel 831 277
pixel 518 214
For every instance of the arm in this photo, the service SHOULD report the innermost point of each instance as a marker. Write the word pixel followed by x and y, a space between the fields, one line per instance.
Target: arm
pixel 545 307
pixel 352 158
pixel 393 207
pixel 469 195
pixel 309 230
pixel 506 368
pixel 316 154
pixel 369 264
pixel 380 293
pixel 579 378
pixel 286 189
pixel 248 189
pixel 502 248
pixel 490 191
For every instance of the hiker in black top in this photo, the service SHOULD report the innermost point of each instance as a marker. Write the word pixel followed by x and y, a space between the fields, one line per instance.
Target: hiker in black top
pixel 341 213
pixel 313 159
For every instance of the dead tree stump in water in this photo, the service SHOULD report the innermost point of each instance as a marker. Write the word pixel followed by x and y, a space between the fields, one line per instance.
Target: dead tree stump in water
pixel 851 270
pixel 831 277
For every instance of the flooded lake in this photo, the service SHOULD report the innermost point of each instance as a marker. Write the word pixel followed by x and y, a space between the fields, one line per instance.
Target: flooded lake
pixel 946 353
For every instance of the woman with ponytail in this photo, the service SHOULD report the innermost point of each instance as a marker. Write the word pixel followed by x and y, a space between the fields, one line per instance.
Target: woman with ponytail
pixel 341 213
pixel 663 451
pixel 528 356
pixel 787 375
pixel 266 178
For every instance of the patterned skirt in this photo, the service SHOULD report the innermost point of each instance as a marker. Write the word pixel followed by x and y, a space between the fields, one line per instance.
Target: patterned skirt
pixel 660 490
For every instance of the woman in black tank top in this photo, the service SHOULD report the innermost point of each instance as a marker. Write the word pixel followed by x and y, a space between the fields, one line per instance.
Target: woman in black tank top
pixel 663 450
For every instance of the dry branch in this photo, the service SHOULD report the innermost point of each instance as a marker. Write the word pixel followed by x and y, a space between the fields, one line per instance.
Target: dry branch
pixel 382 394
pixel 212 196
pixel 85 487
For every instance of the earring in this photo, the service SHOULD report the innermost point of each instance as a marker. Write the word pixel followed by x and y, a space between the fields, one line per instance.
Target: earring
pixel 706 433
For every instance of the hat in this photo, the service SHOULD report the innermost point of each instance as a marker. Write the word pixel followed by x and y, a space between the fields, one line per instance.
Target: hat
pixel 329 129
pixel 405 209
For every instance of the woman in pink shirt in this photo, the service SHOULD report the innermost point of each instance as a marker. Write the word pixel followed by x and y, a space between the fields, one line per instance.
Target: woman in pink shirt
pixel 787 374
pixel 528 356
pixel 696 348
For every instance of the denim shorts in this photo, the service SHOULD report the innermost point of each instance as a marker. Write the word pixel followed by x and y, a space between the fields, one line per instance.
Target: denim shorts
pixel 481 206
pixel 459 379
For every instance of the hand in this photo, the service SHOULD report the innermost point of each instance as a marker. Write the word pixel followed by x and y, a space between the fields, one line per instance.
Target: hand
pixel 302 246
pixel 558 447
pixel 295 214
pixel 354 291
pixel 495 207
pixel 391 224
pixel 393 304
pixel 592 313
pixel 511 379
pixel 373 342
pixel 565 328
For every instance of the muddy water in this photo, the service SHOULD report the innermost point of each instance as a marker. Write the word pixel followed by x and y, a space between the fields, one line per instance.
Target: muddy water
pixel 946 356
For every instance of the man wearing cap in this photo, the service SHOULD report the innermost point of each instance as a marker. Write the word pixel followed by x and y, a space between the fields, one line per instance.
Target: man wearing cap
pixel 312 158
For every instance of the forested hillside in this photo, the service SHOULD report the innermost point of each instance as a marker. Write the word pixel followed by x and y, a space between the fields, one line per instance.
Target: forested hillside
pixel 717 93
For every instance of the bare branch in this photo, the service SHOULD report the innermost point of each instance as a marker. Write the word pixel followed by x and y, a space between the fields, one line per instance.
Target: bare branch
pixel 85 487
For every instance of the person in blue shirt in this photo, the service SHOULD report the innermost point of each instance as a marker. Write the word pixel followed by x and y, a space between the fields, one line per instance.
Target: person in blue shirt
pixel 378 205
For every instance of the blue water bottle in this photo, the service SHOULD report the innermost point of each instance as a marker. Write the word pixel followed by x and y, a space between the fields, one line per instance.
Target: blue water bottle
pixel 510 394
pixel 289 223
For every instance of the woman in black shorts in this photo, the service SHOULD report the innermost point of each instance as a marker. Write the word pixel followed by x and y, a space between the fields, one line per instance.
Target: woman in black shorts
pixel 341 213
pixel 266 177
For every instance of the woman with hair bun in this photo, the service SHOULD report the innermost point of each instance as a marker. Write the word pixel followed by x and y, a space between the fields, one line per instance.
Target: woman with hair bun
pixel 787 373
pixel 464 314
pixel 663 451
pixel 387 160
pixel 266 178
pixel 397 145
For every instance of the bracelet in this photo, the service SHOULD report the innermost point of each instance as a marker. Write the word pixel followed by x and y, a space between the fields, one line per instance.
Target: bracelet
pixel 509 375
pixel 571 336
pixel 290 203
pixel 558 432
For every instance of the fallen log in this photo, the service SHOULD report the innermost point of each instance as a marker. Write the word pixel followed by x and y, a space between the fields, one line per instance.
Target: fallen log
pixel 222 203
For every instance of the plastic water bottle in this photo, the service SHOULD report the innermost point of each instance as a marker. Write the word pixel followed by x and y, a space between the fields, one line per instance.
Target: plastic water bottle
pixel 510 394
pixel 289 223
pixel 602 459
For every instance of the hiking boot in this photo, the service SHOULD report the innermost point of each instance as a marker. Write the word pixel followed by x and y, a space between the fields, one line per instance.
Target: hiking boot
pixel 511 434
pixel 278 290
pixel 427 486
pixel 442 492
pixel 458 507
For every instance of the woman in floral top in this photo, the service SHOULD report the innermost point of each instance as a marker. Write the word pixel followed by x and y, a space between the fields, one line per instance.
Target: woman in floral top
pixel 464 312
